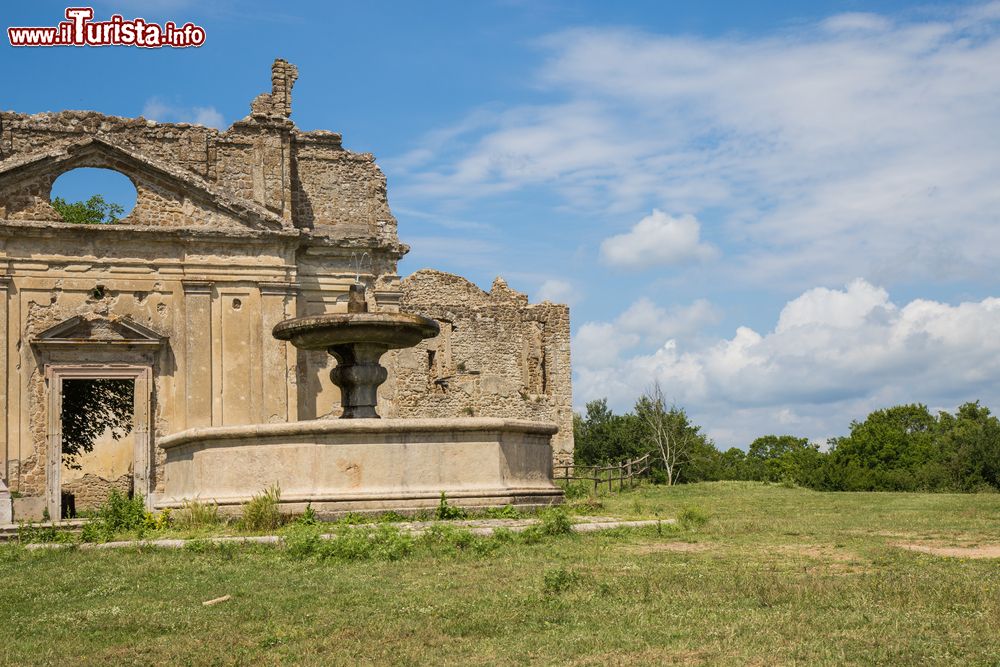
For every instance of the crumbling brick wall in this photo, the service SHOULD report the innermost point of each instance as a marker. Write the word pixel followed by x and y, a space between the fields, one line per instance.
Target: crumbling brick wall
pixel 496 356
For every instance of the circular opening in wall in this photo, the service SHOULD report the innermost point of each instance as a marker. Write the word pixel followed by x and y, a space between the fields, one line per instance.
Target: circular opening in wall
pixel 92 196
pixel 237 304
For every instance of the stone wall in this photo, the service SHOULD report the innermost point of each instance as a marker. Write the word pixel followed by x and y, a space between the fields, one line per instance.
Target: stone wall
pixel 496 356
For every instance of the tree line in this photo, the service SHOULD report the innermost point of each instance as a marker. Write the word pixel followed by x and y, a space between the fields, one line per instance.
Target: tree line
pixel 901 448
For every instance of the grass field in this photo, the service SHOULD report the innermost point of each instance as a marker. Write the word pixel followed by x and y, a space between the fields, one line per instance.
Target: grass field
pixel 775 576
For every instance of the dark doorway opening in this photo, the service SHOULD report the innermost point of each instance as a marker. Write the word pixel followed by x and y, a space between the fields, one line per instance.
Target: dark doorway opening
pixel 98 442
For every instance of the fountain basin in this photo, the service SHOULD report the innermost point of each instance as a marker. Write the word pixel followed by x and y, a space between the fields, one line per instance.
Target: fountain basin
pixel 357 340
pixel 387 330
pixel 364 465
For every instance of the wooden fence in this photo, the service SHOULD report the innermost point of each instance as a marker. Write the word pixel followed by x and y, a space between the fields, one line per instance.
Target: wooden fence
pixel 626 471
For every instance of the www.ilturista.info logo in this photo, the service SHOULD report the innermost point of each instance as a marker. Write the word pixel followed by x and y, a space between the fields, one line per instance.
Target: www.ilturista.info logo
pixel 80 30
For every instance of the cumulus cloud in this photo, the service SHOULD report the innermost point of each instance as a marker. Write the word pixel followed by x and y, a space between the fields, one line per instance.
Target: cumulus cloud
pixel 158 110
pixel 657 240
pixel 832 356
pixel 861 144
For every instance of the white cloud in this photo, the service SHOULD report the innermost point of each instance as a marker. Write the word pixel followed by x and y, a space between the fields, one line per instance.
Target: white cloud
pixel 557 291
pixel 158 110
pixel 858 145
pixel 833 356
pixel 657 240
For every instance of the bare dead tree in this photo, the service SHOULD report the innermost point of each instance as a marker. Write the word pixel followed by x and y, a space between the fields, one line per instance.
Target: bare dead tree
pixel 666 428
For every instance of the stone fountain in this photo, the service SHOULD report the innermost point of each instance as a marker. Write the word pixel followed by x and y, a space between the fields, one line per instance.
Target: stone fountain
pixel 361 462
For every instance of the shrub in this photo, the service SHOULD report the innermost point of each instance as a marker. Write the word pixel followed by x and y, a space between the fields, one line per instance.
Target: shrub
pixel 261 512
pixel 692 518
pixel 160 521
pixel 121 513
pixel 555 521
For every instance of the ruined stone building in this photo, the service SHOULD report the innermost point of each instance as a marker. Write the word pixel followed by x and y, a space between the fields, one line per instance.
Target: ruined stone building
pixel 231 233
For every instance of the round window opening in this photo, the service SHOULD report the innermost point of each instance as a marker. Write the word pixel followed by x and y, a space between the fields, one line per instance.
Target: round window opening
pixel 92 196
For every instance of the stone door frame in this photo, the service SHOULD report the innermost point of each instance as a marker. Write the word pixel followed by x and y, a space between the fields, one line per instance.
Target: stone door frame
pixel 55 375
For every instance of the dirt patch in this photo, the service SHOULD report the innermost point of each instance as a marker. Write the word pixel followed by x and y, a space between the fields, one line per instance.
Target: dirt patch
pixel 979 551
pixel 819 552
pixel 677 547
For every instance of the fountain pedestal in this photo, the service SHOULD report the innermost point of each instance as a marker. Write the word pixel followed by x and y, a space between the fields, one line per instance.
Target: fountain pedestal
pixel 357 341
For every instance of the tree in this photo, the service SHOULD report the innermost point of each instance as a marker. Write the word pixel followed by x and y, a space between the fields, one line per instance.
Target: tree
pixel 885 451
pixel 94 211
pixel 601 436
pixel 971 442
pixel 669 433
pixel 783 458
pixel 91 407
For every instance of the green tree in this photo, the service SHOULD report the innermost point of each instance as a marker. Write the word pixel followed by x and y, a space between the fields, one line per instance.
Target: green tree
pixel 601 436
pixel 784 458
pixel 94 211
pixel 885 451
pixel 971 442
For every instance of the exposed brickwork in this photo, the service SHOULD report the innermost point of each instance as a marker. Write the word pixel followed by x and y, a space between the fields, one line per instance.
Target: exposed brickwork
pixel 496 356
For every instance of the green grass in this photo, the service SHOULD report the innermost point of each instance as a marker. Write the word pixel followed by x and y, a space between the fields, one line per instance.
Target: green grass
pixel 760 575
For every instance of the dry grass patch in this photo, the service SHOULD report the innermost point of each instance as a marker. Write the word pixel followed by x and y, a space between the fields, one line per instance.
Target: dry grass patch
pixel 657 547
pixel 976 551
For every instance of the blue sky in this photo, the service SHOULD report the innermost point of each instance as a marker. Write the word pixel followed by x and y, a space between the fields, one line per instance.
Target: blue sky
pixel 785 213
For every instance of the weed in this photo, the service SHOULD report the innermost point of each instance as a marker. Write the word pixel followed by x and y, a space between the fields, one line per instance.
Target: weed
pixel 261 512
pixel 227 549
pixel 445 511
pixel 505 512
pixel 197 546
pixel 121 514
pixel 692 518
pixel 159 521
pixel 31 534
pixel 302 540
pixel 308 517
pixel 196 514
pixel 555 521
pixel 577 488
pixel 531 535
pixel 383 543
pixel 558 580
pixel 503 535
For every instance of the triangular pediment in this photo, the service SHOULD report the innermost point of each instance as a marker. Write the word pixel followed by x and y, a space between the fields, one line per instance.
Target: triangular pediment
pixel 81 330
pixel 104 153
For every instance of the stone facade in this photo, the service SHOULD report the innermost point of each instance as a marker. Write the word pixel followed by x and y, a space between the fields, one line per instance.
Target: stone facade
pixel 232 232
